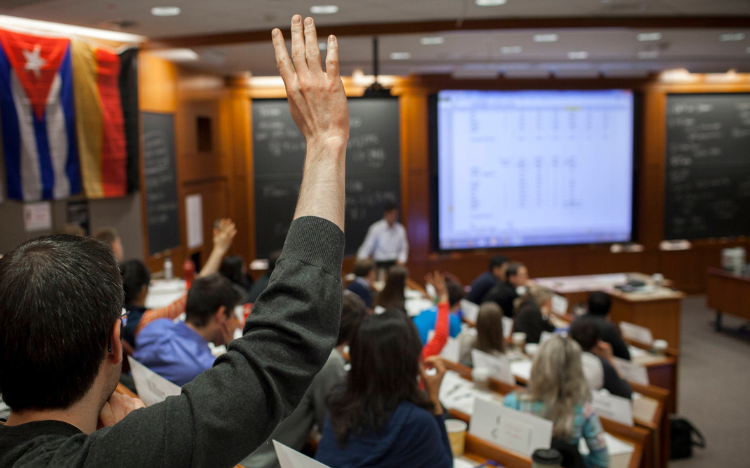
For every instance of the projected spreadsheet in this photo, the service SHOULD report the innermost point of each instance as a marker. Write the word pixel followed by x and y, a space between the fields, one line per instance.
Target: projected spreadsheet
pixel 534 167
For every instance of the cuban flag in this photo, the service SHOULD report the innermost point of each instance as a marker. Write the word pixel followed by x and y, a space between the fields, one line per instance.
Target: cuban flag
pixel 38 117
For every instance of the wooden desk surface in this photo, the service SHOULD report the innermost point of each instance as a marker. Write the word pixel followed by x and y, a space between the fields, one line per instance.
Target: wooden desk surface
pixel 728 293
pixel 568 285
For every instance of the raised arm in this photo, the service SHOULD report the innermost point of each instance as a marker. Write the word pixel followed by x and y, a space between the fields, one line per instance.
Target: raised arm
pixel 442 323
pixel 222 242
pixel 229 410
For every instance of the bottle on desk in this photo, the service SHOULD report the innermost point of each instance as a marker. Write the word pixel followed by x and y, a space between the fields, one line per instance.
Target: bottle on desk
pixel 168 268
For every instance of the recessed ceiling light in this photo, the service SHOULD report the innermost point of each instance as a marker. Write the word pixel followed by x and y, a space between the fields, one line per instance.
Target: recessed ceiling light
pixel 511 49
pixel 490 2
pixel 166 11
pixel 643 37
pixel 581 55
pixel 545 37
pixel 324 9
pixel 732 37
pixel 648 54
pixel 400 56
pixel 434 40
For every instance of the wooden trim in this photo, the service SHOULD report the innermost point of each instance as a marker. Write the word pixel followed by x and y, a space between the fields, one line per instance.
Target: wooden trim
pixel 641 22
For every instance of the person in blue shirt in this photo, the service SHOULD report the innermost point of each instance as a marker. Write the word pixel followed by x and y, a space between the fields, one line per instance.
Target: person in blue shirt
pixel 425 321
pixel 179 351
pixel 488 280
pixel 380 417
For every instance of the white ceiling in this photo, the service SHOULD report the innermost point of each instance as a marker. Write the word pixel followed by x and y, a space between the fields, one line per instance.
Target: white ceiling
pixel 696 49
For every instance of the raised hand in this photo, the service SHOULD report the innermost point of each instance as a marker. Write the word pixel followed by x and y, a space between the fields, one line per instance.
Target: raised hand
pixel 224 235
pixel 437 280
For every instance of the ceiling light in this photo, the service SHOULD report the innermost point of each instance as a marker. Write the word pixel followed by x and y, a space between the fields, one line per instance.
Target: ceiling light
pixel 582 55
pixel 166 11
pixel 435 40
pixel 643 37
pixel 400 56
pixel 66 29
pixel 732 37
pixel 648 54
pixel 545 37
pixel 324 9
pixel 490 2
pixel 177 55
pixel 511 49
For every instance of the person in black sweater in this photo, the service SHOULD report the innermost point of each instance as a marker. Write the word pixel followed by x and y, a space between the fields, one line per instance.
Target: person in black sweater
pixel 488 280
pixel 505 293
pixel 532 313
pixel 599 305
pixel 60 321
pixel 599 367
pixel 259 286
pixel 365 272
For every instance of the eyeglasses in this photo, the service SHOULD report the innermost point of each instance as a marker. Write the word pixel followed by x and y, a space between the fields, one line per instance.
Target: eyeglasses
pixel 124 319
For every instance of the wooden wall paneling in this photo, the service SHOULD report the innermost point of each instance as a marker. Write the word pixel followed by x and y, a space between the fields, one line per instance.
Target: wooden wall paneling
pixel 650 178
pixel 214 194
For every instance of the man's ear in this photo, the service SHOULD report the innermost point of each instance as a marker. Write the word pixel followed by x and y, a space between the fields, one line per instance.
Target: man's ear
pixel 114 344
pixel 220 315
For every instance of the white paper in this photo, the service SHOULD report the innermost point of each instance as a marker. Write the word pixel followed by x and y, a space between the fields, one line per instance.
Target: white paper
pixel 499 367
pixel 632 372
pixel 463 463
pixel 612 407
pixel 522 369
pixel 636 352
pixel 152 388
pixel 545 336
pixel 614 445
pixel 469 310
pixel 37 216
pixel 507 327
pixel 418 305
pixel 194 213
pixel 290 458
pixel 459 394
pixel 452 350
pixel 636 333
pixel 559 304
pixel 509 428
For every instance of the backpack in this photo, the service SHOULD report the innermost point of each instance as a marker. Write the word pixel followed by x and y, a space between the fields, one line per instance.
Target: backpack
pixel 684 437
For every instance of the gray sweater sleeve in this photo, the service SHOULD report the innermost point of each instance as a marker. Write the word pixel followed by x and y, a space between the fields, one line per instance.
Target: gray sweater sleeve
pixel 232 408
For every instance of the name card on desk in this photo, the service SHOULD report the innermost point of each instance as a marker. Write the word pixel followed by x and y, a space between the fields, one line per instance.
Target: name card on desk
pixel 499 367
pixel 469 310
pixel 559 304
pixel 152 388
pixel 290 458
pixel 632 372
pixel 507 327
pixel 612 407
pixel 636 333
pixel 509 428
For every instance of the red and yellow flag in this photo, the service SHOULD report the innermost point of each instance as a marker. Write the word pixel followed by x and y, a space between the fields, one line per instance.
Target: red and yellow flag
pixel 99 121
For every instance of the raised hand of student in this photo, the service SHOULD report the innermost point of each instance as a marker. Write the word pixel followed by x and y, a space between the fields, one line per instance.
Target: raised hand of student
pixel 116 408
pixel 432 370
pixel 437 280
pixel 603 350
pixel 224 235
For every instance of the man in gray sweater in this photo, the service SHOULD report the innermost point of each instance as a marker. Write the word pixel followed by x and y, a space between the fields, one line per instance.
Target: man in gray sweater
pixel 60 321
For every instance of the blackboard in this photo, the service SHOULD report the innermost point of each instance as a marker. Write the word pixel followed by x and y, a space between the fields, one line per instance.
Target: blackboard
pixel 162 209
pixel 373 162
pixel 707 166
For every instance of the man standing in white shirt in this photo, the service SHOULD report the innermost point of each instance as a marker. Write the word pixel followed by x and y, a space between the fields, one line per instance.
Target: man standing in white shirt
pixel 386 240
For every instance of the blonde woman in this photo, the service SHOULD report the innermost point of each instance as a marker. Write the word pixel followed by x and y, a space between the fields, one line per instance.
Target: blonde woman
pixel 532 312
pixel 559 392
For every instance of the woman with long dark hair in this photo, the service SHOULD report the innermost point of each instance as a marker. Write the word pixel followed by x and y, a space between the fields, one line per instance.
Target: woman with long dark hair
pixel 392 296
pixel 380 417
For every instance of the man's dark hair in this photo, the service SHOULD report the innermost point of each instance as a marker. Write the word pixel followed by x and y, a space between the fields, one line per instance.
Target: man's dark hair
pixel 455 292
pixel 497 261
pixel 513 268
pixel 107 235
pixel 135 275
pixel 59 298
pixel 599 303
pixel 352 313
pixel 390 206
pixel 363 267
pixel 206 296
pixel 273 257
pixel 231 268
pixel 585 333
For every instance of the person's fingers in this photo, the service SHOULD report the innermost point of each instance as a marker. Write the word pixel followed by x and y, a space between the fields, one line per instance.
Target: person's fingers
pixel 286 70
pixel 332 58
pixel 312 51
pixel 138 404
pixel 106 417
pixel 298 47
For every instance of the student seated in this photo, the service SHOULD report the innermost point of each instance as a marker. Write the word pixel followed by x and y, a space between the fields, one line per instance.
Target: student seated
pixel 61 316
pixel 426 320
pixel 504 293
pixel 489 279
pixel 598 362
pixel 599 306
pixel 533 312
pixel 365 273
pixel 380 417
pixel 111 237
pixel 179 351
pixel 392 296
pixel 233 268
pixel 262 283
pixel 295 430
pixel 488 336
pixel 558 391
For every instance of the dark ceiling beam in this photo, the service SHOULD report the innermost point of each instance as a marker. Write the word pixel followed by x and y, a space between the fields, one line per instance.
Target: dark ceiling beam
pixel 651 22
